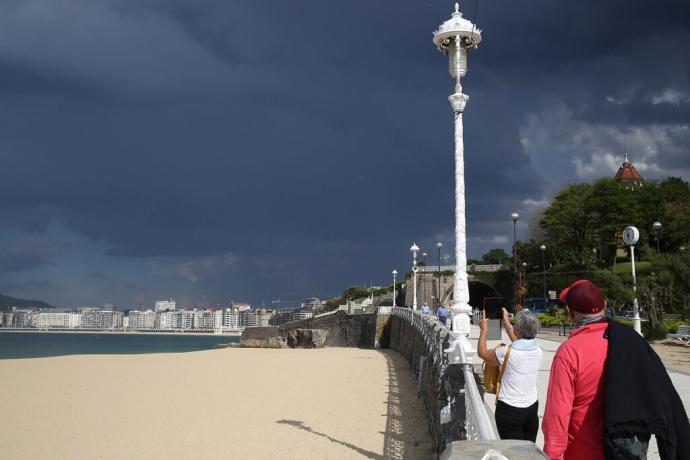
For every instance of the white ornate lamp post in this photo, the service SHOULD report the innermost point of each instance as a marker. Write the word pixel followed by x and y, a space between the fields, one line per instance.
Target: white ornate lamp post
pixel 395 273
pixel 439 245
pixel 414 249
pixel 543 271
pixel 656 226
pixel 454 38
pixel 630 237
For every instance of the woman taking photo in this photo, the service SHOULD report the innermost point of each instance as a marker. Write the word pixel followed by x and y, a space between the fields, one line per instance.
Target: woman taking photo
pixel 516 402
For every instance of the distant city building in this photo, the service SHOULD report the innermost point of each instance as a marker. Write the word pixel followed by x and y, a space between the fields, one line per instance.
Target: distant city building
pixel 142 319
pixel 240 306
pixel 101 319
pixel 46 320
pixel 163 305
pixel 313 303
pixel 231 319
pixel 247 318
pixel 263 317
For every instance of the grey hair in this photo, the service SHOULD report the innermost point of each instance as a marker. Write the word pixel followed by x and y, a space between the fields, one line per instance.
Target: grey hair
pixel 527 324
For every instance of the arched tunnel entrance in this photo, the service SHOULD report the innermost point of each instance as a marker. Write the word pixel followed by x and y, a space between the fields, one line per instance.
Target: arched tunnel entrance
pixel 482 295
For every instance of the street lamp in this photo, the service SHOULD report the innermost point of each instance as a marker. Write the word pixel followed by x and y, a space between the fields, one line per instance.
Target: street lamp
pixel 543 269
pixel 454 38
pixel 414 249
pixel 439 245
pixel 630 236
pixel 656 226
pixel 395 273
pixel 523 285
pixel 516 276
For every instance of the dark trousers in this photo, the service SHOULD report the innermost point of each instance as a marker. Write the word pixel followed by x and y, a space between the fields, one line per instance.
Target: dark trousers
pixel 517 422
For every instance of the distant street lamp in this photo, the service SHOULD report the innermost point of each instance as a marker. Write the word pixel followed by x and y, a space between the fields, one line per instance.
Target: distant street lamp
pixel 414 249
pixel 424 258
pixel 543 270
pixel 524 284
pixel 454 38
pixel 656 226
pixel 439 245
pixel 516 276
pixel 630 237
pixel 515 216
pixel 395 273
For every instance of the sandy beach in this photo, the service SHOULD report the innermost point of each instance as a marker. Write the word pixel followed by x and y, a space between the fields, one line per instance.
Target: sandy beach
pixel 229 403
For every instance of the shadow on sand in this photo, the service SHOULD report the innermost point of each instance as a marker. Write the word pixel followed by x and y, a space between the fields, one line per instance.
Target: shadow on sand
pixel 301 426
pixel 406 434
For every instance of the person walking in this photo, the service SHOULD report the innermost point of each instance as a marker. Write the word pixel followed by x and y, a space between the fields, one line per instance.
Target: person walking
pixel 608 390
pixel 573 418
pixel 442 314
pixel 516 402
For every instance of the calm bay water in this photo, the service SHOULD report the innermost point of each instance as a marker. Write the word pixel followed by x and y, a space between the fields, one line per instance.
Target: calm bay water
pixel 15 345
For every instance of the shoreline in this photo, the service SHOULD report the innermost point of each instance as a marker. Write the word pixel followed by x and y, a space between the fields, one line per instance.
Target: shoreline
pixel 118 332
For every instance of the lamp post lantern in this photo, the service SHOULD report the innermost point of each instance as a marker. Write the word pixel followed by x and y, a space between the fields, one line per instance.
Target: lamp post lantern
pixel 395 273
pixel 454 38
pixel 630 236
pixel 414 249
pixel 656 226
pixel 543 270
pixel 439 245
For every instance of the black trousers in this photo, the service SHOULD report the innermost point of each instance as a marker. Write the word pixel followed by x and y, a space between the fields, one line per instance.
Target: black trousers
pixel 517 422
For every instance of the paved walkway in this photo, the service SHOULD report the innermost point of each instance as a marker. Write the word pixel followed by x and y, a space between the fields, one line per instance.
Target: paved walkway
pixel 680 380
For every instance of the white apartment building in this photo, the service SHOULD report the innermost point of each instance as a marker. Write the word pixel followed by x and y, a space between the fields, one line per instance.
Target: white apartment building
pixel 163 305
pixel 142 319
pixel 230 319
pixel 46 319
pixel 247 318
pixel 101 319
pixel 165 319
pixel 204 319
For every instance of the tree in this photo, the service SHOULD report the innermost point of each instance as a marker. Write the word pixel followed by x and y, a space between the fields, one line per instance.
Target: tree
pixel 567 224
pixel 496 256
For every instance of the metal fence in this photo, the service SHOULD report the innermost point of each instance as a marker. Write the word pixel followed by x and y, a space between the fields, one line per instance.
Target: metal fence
pixel 453 399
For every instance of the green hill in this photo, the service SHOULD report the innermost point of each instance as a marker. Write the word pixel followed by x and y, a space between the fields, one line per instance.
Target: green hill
pixel 6 303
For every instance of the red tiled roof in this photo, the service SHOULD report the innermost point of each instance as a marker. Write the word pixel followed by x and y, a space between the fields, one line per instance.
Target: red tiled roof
pixel 628 173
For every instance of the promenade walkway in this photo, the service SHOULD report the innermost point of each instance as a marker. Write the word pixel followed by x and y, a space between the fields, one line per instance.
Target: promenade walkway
pixel 680 380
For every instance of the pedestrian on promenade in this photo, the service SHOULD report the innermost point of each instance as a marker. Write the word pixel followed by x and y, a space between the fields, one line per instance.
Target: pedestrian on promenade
pixel 425 309
pixel 517 402
pixel 442 314
pixel 608 390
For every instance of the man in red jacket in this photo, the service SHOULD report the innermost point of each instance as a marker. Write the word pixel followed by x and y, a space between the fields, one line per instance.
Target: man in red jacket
pixel 573 418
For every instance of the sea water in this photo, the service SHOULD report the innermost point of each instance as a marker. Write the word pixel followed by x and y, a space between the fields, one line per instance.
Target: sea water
pixel 15 345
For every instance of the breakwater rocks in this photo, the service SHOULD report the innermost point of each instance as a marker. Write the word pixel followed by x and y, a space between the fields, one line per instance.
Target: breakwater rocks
pixel 332 330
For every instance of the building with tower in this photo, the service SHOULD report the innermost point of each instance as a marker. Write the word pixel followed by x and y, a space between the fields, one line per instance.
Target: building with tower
pixel 628 174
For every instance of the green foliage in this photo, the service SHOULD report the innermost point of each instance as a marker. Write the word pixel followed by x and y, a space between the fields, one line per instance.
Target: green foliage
pixel 581 230
pixel 547 320
pixel 496 256
pixel 355 292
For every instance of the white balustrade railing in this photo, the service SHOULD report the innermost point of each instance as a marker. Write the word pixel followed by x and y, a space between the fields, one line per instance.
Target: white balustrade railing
pixel 478 424
pixel 451 268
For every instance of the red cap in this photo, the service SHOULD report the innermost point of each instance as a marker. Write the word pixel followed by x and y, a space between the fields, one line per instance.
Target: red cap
pixel 583 296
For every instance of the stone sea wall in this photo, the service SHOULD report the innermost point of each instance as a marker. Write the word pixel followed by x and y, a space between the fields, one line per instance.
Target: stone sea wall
pixel 335 330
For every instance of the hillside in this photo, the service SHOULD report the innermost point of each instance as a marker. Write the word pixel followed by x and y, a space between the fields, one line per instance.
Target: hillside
pixel 6 303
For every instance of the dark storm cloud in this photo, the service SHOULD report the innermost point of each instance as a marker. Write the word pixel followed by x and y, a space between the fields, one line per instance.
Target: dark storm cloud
pixel 313 141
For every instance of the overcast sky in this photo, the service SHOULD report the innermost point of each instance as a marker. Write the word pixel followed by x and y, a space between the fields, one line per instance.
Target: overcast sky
pixel 219 150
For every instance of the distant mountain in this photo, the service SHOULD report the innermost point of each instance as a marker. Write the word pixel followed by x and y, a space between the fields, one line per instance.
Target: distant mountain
pixel 6 303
